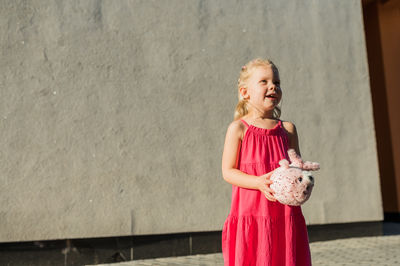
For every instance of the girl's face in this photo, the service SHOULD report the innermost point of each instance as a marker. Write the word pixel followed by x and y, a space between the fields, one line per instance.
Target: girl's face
pixel 263 88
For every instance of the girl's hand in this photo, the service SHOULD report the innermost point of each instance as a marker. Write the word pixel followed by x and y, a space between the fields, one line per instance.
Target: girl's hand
pixel 263 185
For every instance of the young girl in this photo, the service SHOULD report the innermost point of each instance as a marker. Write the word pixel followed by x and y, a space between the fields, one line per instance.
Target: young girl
pixel 259 230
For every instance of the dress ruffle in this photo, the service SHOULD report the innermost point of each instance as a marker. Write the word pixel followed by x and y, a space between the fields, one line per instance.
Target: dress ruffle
pixel 263 240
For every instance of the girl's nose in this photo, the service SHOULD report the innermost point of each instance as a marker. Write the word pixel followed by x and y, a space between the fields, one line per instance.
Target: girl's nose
pixel 273 87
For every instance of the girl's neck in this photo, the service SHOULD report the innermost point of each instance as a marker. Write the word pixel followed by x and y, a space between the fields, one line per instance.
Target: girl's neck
pixel 255 113
pixel 261 116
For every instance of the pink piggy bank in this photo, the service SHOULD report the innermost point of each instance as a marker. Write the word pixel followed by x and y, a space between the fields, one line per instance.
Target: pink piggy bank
pixel 293 183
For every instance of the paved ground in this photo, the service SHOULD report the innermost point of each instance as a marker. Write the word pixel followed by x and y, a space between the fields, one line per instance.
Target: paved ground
pixel 382 250
pixel 376 251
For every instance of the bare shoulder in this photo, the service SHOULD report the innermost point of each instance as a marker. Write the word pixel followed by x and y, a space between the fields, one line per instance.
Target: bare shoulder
pixel 289 127
pixel 236 128
pixel 291 130
pixel 232 145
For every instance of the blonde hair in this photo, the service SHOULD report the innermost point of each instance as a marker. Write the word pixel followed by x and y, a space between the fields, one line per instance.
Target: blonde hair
pixel 242 106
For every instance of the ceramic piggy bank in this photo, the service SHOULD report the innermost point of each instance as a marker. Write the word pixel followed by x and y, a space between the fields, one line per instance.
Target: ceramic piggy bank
pixel 293 183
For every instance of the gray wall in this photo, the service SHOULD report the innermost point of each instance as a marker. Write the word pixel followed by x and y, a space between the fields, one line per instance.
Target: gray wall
pixel 114 113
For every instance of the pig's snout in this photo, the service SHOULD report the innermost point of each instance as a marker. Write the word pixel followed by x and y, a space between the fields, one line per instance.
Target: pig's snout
pixel 308 188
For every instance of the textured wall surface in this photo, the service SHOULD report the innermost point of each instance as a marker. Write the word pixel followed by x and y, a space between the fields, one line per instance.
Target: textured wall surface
pixel 114 113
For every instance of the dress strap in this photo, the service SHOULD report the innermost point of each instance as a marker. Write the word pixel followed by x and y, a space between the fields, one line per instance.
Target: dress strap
pixel 244 122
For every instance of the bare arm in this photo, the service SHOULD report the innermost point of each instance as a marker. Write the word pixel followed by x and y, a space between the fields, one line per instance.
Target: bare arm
pixel 293 137
pixel 230 172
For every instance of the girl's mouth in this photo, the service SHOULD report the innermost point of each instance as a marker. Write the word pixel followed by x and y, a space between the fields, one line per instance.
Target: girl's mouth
pixel 271 96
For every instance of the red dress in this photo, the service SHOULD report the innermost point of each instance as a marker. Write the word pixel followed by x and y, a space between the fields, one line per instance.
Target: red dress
pixel 258 231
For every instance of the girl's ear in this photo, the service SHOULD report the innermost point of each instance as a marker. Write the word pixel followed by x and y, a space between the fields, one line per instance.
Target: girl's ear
pixel 243 93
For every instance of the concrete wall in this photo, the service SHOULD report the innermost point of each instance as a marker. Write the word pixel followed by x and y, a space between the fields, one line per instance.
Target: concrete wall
pixel 114 113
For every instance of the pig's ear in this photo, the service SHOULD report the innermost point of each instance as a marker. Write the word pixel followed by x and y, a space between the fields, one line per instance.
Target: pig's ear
pixel 284 163
pixel 311 166
pixel 295 158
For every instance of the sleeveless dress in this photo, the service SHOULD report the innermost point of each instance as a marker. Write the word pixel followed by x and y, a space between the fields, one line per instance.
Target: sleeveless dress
pixel 258 231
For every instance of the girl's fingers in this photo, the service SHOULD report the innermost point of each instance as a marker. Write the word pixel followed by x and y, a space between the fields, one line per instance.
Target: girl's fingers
pixel 270 197
pixel 267 189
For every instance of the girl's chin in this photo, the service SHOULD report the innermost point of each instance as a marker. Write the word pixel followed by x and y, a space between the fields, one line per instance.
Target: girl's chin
pixel 268 109
pixel 271 100
pixel 271 104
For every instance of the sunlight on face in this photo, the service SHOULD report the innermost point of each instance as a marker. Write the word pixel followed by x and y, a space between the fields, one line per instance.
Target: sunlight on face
pixel 263 88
